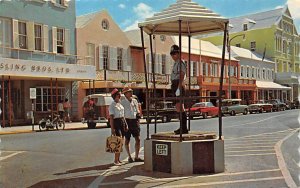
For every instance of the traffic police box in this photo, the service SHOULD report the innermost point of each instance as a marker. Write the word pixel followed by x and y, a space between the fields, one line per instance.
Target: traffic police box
pixel 199 153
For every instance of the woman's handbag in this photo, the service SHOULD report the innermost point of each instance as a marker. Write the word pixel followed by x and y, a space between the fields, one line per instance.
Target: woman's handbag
pixel 114 144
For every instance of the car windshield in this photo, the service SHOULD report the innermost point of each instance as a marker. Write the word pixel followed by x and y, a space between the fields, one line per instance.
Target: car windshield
pixel 199 105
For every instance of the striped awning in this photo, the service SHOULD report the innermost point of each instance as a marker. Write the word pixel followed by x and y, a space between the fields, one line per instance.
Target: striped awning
pixel 195 19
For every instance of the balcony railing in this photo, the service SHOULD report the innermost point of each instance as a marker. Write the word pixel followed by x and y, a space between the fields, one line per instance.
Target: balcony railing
pixel 233 80
pixel 25 54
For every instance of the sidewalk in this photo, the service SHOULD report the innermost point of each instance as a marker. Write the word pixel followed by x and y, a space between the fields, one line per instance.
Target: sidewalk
pixel 69 126
pixel 28 128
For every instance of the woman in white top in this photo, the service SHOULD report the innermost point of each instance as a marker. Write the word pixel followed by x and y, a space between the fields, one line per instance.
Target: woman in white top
pixel 117 120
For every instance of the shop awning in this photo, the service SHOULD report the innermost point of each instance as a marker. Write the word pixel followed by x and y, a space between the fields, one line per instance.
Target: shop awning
pixel 270 85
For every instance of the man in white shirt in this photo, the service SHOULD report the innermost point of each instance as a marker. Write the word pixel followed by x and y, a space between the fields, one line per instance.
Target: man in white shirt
pixel 132 114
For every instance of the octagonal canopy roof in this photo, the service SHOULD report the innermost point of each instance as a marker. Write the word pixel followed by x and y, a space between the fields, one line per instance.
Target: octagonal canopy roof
pixel 195 19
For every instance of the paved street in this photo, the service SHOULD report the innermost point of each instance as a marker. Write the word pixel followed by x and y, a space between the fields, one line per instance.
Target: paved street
pixel 77 158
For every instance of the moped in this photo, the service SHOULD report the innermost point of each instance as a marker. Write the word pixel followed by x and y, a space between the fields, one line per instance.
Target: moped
pixel 51 123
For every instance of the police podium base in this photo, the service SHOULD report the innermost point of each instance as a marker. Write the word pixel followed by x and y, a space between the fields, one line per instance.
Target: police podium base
pixel 198 153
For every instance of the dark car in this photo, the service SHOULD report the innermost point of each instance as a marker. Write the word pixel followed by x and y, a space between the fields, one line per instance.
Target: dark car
pixel 203 109
pixel 277 105
pixel 164 111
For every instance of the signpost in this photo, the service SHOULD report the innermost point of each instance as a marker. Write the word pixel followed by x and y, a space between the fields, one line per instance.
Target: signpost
pixel 32 96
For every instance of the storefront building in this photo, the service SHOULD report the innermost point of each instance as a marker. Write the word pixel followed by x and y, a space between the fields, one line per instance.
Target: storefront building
pixel 37 50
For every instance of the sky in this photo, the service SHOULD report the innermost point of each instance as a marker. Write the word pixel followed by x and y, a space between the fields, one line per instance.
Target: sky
pixel 128 13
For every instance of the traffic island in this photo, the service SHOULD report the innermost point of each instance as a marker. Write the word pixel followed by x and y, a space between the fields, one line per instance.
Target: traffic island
pixel 198 153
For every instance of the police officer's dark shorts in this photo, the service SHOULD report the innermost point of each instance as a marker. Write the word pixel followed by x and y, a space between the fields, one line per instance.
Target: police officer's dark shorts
pixel 174 86
pixel 133 128
pixel 119 125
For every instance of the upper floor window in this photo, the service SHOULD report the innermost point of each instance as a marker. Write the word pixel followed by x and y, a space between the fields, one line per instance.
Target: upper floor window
pixel 105 24
pixel 242 71
pixel 248 72
pixel 120 58
pixel 90 54
pixel 238 45
pixel 253 72
pixel 284 47
pixel 105 51
pixel 163 63
pixel 253 46
pixel 60 40
pixel 61 2
pixel 214 69
pixel 38 37
pixel 194 64
pixel 245 27
pixel 204 68
pixel 22 35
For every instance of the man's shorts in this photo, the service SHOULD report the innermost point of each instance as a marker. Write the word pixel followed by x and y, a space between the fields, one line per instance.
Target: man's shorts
pixel 133 128
pixel 174 87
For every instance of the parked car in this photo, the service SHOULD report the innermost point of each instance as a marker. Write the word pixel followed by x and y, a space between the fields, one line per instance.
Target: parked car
pixel 165 111
pixel 233 107
pixel 277 105
pixel 203 109
pixel 260 107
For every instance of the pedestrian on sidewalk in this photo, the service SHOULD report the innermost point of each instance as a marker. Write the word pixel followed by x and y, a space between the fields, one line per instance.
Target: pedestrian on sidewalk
pixel 117 120
pixel 178 86
pixel 61 110
pixel 67 107
pixel 132 116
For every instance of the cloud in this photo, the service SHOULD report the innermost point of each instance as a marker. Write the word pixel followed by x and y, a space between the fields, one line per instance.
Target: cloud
pixel 142 11
pixel 122 6
pixel 294 6
pixel 281 6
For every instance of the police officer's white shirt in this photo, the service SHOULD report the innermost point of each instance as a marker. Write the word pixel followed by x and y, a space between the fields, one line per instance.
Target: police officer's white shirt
pixel 175 75
pixel 131 108
pixel 116 109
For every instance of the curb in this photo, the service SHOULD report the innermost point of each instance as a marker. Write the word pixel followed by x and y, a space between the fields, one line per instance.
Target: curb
pixel 37 130
pixel 281 163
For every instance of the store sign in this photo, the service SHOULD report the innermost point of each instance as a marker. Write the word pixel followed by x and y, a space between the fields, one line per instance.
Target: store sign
pixel 27 68
pixel 32 92
pixel 161 149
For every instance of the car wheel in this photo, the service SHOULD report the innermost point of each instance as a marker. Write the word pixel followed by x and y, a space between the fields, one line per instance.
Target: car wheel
pixel 261 111
pixel 205 115
pixel 149 120
pixel 245 111
pixel 232 113
pixel 191 117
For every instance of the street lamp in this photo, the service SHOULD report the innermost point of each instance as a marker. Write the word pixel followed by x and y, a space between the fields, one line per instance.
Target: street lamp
pixel 229 67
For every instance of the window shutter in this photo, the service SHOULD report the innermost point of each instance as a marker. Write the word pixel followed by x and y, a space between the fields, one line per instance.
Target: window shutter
pixel 160 63
pixel 15 33
pixel 100 58
pixel 54 39
pixel 149 63
pixel 168 64
pixel 125 55
pixel 197 68
pixel 113 62
pixel 192 68
pixel 30 35
pixel 67 41
pixel 156 63
pixel 45 38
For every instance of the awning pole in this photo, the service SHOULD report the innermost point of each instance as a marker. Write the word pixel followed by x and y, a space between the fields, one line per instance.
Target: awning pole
pixel 153 80
pixel 3 101
pixel 9 100
pixel 221 81
pixel 146 80
pixel 94 90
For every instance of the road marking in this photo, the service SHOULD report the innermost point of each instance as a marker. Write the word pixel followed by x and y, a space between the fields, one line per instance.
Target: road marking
pixel 264 134
pixel 281 163
pixel 145 180
pixel 222 182
pixel 249 147
pixel 250 155
pixel 108 172
pixel 11 155
pixel 255 122
pixel 248 151
pixel 254 144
